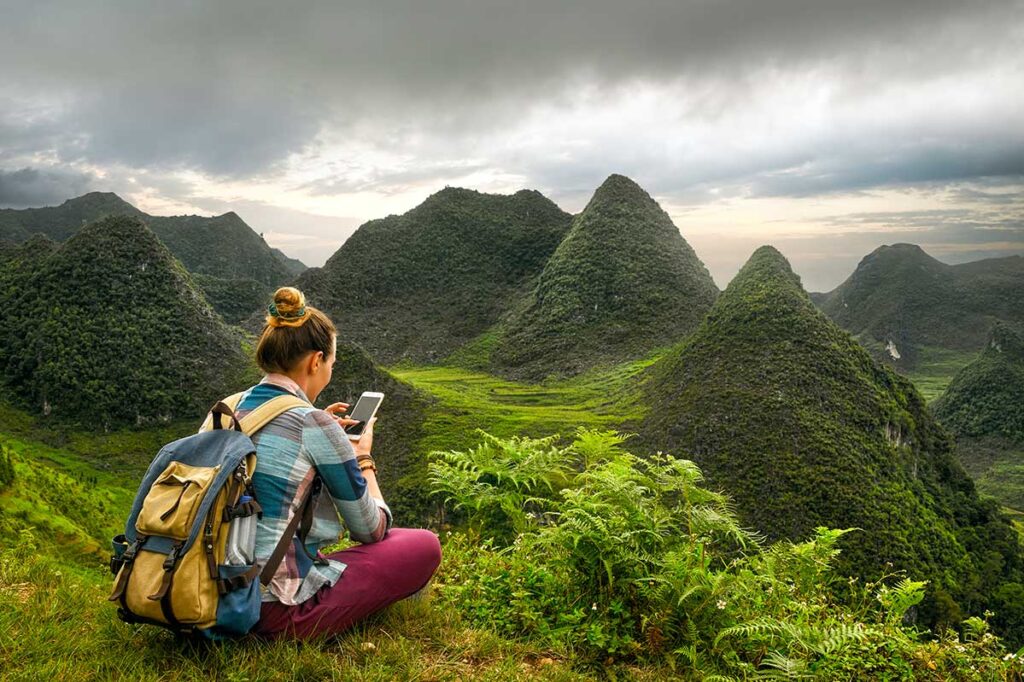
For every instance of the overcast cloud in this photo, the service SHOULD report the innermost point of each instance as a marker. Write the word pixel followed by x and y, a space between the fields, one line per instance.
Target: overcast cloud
pixel 308 118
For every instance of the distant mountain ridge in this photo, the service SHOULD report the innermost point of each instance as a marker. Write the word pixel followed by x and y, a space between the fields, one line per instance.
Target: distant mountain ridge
pixel 223 246
pixel 419 285
pixel 793 418
pixel 901 299
pixel 108 329
pixel 234 266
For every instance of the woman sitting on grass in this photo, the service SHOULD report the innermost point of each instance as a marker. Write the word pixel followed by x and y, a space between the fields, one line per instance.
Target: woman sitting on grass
pixel 311 594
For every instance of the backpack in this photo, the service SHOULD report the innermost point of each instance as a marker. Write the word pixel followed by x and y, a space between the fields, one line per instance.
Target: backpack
pixel 178 564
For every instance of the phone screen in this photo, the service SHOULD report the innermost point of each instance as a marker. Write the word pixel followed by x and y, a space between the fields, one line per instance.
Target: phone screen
pixel 364 409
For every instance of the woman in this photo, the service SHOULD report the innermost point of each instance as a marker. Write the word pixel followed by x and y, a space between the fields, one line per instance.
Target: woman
pixel 311 594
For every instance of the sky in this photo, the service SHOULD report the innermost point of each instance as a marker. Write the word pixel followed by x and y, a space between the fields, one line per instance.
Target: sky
pixel 826 128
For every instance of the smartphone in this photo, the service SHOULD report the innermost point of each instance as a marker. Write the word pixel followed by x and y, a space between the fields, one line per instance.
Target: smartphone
pixel 364 411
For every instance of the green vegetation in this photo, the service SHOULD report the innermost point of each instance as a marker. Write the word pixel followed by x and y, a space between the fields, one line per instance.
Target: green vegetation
pixel 294 266
pixel 6 467
pixel 900 295
pixel 986 398
pixel 790 416
pixel 234 267
pixel 109 329
pixel 236 300
pixel 223 246
pixel 419 285
pixel 583 562
pixel 622 283
pixel 593 550
pixel 56 622
pixel 467 401
pixel 72 507
pixel 935 368
pixel 984 407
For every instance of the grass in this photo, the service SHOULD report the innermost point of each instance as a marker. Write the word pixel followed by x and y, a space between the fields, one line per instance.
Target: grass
pixel 55 621
pixel 604 398
pixel 935 368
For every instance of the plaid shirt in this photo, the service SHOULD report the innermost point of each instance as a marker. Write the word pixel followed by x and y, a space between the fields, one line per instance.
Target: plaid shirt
pixel 290 450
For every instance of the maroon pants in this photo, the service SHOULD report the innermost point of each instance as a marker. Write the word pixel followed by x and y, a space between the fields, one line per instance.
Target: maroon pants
pixel 377 575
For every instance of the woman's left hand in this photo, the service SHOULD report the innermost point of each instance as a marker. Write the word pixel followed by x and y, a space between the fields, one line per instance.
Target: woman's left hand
pixel 334 408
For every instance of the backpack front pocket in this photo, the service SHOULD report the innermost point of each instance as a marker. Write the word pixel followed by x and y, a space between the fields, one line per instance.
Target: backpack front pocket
pixel 171 505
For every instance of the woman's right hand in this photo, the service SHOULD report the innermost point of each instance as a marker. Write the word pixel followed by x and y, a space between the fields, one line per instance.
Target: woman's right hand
pixel 365 442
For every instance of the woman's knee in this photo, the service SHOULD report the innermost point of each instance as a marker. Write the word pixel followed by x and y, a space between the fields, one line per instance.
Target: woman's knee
pixel 421 545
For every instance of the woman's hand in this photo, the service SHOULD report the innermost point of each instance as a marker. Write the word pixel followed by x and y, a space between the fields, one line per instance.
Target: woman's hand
pixel 334 408
pixel 343 421
pixel 365 442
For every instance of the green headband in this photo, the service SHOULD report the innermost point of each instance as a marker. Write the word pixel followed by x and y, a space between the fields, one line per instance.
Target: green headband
pixel 272 309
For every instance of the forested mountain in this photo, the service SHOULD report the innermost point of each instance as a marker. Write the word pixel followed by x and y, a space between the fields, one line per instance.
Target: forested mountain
pixel 294 265
pixel 794 419
pixel 60 222
pixel 109 329
pixel 621 283
pixel 419 285
pixel 984 407
pixel 900 299
pixel 222 247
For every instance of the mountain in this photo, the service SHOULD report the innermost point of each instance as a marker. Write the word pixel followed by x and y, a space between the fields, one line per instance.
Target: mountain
pixel 60 222
pixel 109 329
pixel 294 266
pixel 223 246
pixel 788 414
pixel 622 283
pixel 900 301
pixel 984 407
pixel 419 285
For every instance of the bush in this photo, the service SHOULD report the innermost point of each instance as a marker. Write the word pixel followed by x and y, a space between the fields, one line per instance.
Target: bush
pixel 592 550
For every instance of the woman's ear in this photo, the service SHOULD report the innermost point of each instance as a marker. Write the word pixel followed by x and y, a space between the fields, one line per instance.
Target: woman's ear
pixel 315 359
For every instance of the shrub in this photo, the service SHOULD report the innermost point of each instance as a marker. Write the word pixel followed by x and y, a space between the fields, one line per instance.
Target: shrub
pixel 592 550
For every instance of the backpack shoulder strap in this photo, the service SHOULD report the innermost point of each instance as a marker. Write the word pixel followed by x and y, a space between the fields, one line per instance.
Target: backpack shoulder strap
pixel 231 401
pixel 262 415
pixel 268 411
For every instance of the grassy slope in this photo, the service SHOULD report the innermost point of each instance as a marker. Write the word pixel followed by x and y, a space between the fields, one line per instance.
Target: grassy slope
pixel 468 400
pixel 55 622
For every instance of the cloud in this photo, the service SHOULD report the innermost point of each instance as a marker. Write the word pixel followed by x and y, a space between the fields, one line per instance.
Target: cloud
pixel 31 187
pixel 235 88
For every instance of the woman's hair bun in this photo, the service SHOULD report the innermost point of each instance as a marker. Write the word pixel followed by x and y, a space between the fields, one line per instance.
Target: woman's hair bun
pixel 288 309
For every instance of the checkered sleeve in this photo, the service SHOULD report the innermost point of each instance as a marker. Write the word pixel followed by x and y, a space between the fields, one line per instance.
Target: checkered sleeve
pixel 367 518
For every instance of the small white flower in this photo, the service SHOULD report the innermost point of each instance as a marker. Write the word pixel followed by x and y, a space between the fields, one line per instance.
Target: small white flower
pixel 721 604
pixel 593 607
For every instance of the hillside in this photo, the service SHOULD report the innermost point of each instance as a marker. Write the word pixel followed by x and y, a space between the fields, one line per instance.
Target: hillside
pixel 109 329
pixel 984 408
pixel 622 283
pixel 223 246
pixel 900 302
pixel 294 266
pixel 60 222
pixel 792 417
pixel 419 285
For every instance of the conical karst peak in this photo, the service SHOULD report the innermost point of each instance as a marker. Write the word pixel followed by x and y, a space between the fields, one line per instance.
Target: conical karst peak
pixel 618 189
pixel 766 291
